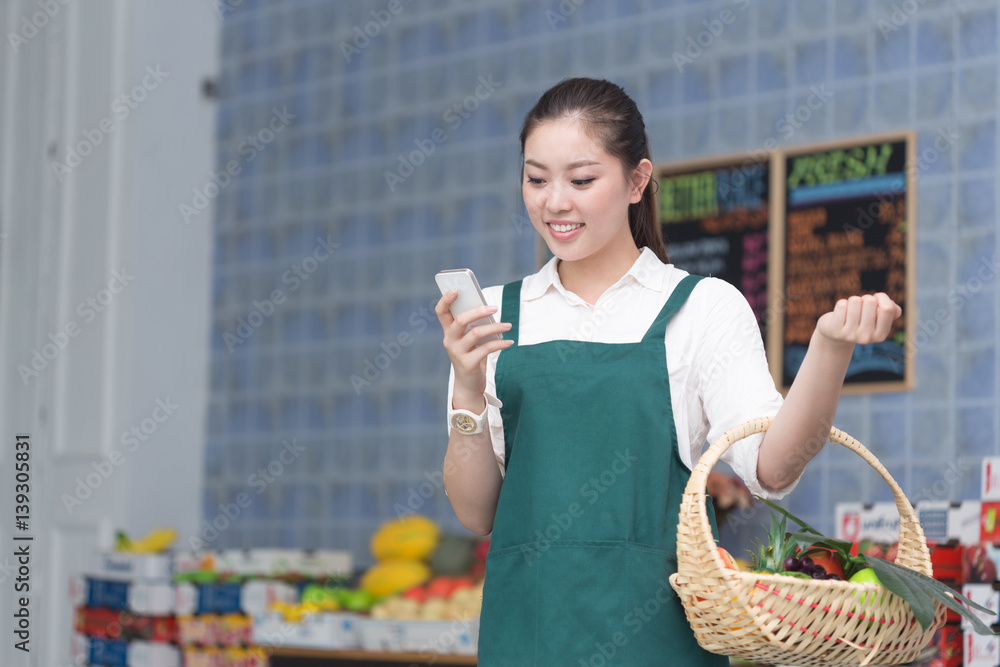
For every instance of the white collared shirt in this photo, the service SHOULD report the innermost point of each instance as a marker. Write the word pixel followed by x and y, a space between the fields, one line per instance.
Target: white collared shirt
pixel 718 372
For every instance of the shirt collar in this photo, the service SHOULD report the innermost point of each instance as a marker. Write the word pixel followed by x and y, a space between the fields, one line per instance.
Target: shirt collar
pixel 647 271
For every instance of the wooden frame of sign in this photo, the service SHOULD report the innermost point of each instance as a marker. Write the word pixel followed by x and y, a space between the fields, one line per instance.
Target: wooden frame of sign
pixel 844 224
pixel 715 214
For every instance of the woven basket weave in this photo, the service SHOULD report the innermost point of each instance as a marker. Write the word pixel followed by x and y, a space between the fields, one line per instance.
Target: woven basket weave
pixel 778 619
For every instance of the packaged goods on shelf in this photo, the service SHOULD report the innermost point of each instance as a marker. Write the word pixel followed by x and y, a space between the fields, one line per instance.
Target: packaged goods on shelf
pixel 138 653
pixel 196 656
pixel 124 625
pixel 308 564
pixel 135 567
pixel 223 630
pixel 988 596
pixel 324 630
pixel 144 599
pixel 251 597
pixel 980 650
pixel 458 637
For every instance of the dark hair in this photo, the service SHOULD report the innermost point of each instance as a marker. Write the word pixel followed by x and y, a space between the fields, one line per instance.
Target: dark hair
pixel 613 119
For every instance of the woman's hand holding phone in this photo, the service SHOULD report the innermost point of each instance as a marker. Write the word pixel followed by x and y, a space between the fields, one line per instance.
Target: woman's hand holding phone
pixel 468 348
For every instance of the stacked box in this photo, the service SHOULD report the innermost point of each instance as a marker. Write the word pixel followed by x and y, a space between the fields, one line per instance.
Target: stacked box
pixel 124 612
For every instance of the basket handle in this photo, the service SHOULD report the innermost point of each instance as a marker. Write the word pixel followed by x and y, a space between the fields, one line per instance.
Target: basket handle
pixel 912 551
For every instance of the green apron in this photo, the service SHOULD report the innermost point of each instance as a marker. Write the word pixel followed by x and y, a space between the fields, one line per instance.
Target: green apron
pixel 586 523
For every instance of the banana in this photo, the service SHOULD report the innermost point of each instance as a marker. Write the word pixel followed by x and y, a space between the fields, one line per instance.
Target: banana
pixel 155 541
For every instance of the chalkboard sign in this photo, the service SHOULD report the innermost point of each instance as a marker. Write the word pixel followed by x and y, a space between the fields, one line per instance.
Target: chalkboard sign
pixel 846 227
pixel 714 217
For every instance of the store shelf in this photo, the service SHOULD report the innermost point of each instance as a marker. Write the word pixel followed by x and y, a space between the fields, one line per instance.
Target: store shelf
pixel 303 657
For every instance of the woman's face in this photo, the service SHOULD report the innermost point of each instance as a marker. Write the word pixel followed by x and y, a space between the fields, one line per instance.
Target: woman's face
pixel 576 194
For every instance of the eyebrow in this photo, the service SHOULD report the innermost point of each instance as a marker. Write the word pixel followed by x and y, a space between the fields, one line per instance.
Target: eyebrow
pixel 573 165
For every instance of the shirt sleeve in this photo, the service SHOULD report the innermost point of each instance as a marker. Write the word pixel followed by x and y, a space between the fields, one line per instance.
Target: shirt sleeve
pixel 494 421
pixel 735 383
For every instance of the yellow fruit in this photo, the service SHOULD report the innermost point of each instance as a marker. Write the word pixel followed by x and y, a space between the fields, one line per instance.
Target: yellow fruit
pixel 394 576
pixel 410 538
pixel 155 541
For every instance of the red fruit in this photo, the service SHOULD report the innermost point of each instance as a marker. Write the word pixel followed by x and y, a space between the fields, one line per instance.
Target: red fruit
pixel 441 587
pixel 416 593
pixel 461 583
pixel 890 553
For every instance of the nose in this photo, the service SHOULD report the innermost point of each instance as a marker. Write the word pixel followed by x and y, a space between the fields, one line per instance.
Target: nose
pixel 559 199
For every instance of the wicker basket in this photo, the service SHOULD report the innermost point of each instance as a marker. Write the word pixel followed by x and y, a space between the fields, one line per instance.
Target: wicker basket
pixel 777 619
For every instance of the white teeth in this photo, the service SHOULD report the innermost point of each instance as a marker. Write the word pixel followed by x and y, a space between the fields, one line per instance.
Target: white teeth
pixel 565 228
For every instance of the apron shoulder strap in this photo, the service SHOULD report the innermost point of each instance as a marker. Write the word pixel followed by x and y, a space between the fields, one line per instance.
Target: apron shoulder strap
pixel 510 309
pixel 658 329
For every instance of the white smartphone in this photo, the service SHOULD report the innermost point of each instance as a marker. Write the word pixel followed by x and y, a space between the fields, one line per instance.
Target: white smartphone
pixel 469 295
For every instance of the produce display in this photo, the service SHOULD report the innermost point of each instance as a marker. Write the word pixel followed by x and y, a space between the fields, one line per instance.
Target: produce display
pixel 423 593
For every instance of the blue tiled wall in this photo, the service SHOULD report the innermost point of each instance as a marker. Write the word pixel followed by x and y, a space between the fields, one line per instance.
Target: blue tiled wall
pixel 362 450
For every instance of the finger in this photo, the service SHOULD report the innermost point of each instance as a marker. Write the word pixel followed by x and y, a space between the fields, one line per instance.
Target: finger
pixel 471 361
pixel 477 333
pixel 840 313
pixel 868 319
pixel 443 308
pixel 888 312
pixel 852 318
pixel 470 316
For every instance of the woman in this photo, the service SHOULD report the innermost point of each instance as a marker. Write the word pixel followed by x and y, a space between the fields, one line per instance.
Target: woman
pixel 614 369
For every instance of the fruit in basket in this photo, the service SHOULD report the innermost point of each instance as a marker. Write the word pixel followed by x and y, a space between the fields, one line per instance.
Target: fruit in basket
pixel 827 559
pixel 391 577
pixel 412 537
pixel 727 559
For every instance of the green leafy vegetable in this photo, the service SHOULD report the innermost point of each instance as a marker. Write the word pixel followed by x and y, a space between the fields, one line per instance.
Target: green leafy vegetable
pixel 916 589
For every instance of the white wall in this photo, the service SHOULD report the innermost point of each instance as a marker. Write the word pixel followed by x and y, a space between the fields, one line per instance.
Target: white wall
pixel 62 238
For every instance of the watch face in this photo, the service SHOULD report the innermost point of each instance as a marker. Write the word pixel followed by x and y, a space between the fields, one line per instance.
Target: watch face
pixel 463 423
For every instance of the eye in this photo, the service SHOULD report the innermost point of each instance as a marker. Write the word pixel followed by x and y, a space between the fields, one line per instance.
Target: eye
pixel 580 182
pixel 534 181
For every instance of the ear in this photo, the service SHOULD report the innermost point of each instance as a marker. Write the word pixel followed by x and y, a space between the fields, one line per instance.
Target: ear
pixel 640 179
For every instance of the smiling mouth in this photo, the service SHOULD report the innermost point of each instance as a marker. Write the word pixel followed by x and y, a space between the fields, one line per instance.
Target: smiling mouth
pixel 565 227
